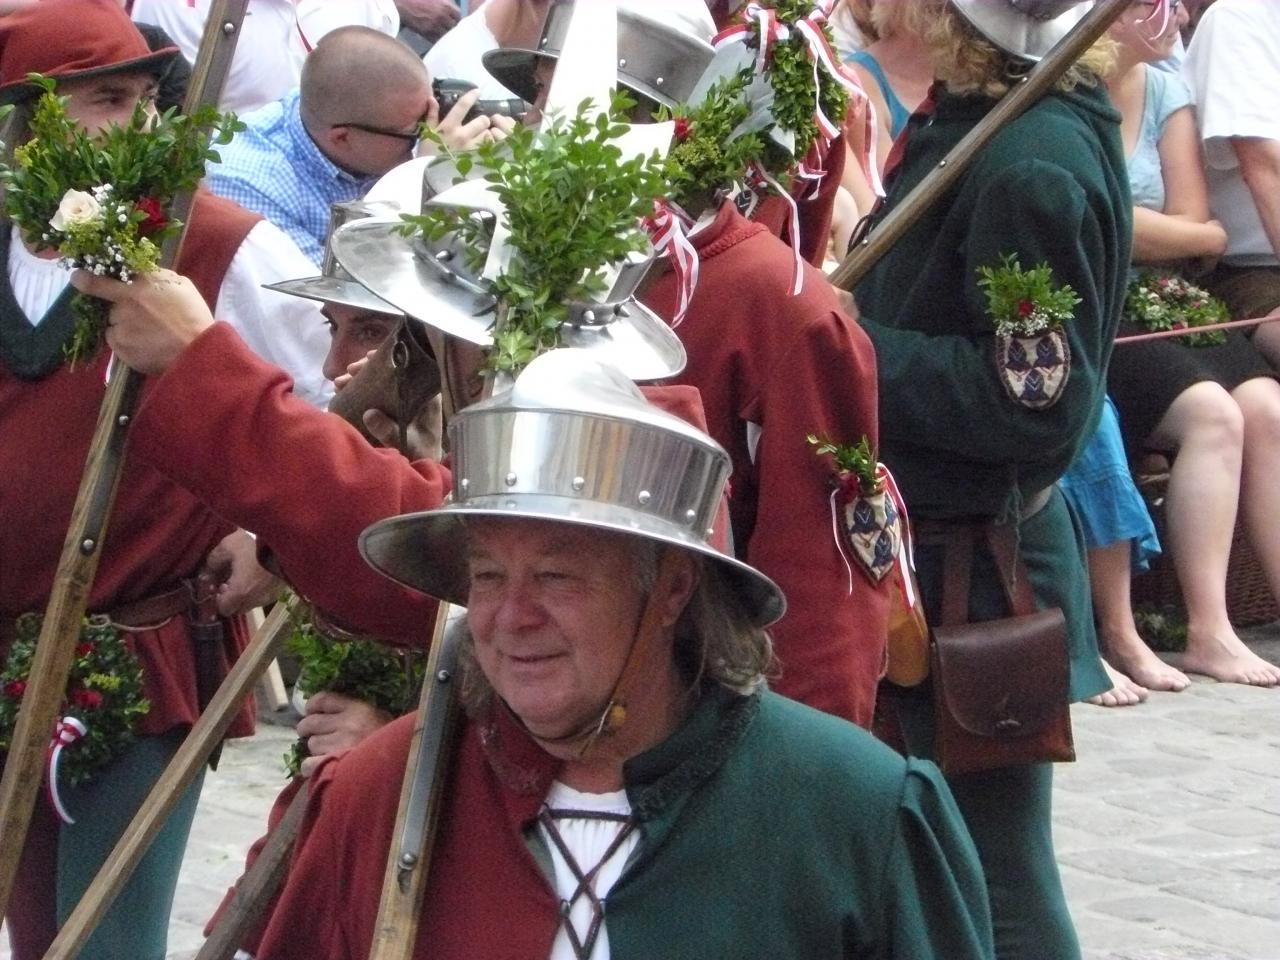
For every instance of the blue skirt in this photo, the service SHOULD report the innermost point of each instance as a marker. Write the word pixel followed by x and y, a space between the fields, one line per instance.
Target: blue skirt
pixel 1100 490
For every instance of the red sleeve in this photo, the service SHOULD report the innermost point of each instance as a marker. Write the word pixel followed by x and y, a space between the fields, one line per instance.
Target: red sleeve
pixel 831 643
pixel 225 425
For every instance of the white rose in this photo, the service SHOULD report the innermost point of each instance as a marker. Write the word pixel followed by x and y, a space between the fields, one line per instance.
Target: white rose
pixel 76 207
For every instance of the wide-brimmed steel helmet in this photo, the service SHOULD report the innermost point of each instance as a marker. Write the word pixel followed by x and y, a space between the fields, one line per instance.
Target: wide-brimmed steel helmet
pixel 1028 29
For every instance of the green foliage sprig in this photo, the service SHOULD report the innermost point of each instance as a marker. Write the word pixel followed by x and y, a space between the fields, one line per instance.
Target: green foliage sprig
pixel 856 467
pixel 1025 303
pixel 1165 301
pixel 386 678
pixel 104 692
pixel 101 200
pixel 573 206
pixel 704 159
pixel 792 76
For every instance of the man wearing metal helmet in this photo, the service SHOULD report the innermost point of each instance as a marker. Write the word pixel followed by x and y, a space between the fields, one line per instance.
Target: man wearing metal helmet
pixel 772 369
pixel 619 747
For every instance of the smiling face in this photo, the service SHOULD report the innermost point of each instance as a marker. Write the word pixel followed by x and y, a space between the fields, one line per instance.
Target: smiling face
pixel 553 610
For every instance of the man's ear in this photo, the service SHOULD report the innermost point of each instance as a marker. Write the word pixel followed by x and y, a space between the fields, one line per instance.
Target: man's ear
pixel 678 576
pixel 336 139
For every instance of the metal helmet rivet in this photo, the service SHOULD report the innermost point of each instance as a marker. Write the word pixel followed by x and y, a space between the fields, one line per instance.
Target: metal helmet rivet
pixel 510 479
pixel 644 496
pixel 579 482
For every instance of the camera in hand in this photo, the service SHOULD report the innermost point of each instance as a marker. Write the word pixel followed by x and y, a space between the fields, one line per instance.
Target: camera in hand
pixel 449 92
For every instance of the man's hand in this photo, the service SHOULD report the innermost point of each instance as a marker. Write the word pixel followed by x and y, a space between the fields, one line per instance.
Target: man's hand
pixel 335 723
pixel 243 582
pixel 152 320
pixel 458 135
pixel 431 19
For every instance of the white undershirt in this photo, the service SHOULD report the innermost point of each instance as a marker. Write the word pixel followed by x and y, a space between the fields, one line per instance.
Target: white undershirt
pixel 35 282
pixel 587 840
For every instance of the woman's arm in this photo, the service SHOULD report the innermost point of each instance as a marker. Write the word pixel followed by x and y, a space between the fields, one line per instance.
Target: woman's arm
pixel 1183 230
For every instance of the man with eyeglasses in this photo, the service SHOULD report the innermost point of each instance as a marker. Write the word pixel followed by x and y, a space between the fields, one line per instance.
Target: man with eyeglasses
pixel 359 111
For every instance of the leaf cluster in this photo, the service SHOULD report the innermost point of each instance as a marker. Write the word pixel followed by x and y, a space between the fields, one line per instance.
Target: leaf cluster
pixel 1165 301
pixel 792 76
pixel 387 679
pixel 104 692
pixel 708 160
pixel 857 461
pixel 572 207
pixel 1025 303
pixel 153 157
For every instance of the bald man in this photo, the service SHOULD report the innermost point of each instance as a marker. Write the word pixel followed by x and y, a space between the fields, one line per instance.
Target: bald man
pixel 357 114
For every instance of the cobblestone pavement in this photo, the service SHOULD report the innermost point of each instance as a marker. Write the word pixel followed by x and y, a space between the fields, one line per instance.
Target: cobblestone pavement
pixel 1168 827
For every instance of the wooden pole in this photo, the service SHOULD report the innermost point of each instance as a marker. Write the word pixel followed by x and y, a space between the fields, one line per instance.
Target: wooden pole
pixel 951 168
pixel 82 549
pixel 1192 331
pixel 168 791
pixel 257 886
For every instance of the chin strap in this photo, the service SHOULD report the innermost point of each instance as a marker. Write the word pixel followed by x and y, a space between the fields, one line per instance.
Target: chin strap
pixel 644 650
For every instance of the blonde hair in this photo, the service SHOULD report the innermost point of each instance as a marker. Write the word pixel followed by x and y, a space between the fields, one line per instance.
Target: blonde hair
pixel 892 17
pixel 969 63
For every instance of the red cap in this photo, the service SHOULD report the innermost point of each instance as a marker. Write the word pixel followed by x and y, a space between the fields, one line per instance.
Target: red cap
pixel 68 39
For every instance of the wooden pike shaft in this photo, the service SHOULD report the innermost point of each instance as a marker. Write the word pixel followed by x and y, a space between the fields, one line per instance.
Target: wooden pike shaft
pixel 167 792
pixel 952 167
pixel 82 548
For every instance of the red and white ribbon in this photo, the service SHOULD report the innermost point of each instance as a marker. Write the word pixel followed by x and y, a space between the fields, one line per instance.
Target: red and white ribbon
pixel 668 232
pixel 758 176
pixel 836 532
pixel 906 552
pixel 69 730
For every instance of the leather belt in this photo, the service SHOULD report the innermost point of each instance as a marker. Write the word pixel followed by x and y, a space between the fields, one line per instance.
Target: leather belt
pixel 149 613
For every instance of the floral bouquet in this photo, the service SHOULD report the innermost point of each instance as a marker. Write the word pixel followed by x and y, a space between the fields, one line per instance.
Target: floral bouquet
pixel 1025 303
pixel 1165 301
pixel 387 679
pixel 101 199
pixel 104 699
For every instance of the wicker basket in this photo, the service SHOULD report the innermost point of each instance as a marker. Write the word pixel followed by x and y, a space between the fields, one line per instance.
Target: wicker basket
pixel 1249 599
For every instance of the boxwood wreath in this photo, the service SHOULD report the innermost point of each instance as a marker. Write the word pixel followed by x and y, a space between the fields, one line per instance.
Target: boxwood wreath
pixel 104 692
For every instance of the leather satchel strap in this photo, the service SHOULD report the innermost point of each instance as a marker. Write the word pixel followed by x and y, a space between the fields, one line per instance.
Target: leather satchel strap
pixel 1002 538
pixel 957 566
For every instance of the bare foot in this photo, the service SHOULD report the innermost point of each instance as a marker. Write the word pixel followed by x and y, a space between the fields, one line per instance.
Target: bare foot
pixel 1123 693
pixel 1137 661
pixel 1225 657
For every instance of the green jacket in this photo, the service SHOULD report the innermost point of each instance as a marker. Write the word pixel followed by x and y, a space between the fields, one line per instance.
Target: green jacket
pixel 1050 187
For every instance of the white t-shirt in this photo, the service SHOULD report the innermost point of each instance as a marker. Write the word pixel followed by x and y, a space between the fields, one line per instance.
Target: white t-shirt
pixel 276 37
pixel 457 56
pixel 588 840
pixel 289 332
pixel 1233 69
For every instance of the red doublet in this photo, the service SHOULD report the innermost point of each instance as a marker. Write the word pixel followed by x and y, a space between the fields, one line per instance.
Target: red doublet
pixel 792 366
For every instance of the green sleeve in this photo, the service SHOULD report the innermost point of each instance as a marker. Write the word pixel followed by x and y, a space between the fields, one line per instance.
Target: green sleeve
pixel 943 391
pixel 936 897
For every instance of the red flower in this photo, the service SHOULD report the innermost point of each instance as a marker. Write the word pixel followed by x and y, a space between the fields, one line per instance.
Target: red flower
pixel 90 699
pixel 15 688
pixel 682 128
pixel 1026 308
pixel 84 649
pixel 849 485
pixel 155 218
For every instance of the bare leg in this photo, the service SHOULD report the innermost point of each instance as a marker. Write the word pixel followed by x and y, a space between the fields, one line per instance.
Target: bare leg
pixel 1206 427
pixel 1267 339
pixel 1122 647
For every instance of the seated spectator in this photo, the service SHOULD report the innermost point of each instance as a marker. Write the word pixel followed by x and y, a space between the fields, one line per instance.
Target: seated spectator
pixel 276 37
pixel 358 113
pixel 1216 407
pixel 894 69
pixel 1233 69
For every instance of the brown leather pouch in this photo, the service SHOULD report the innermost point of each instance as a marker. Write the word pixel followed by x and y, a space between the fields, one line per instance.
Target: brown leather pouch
pixel 1001 688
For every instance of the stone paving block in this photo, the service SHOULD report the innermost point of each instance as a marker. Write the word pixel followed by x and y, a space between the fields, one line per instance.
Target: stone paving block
pixel 1252 895
pixel 1240 823
pixel 1145 869
pixel 1252 937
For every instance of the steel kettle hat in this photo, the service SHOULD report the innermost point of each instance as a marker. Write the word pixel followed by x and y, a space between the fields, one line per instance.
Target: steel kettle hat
pixel 572 441
pixel 1028 29
pixel 663 48
pixel 435 282
pixel 71 40
pixel 335 285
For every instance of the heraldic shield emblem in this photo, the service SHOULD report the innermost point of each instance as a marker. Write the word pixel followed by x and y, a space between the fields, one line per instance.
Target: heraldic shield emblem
pixel 874 530
pixel 1034 369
